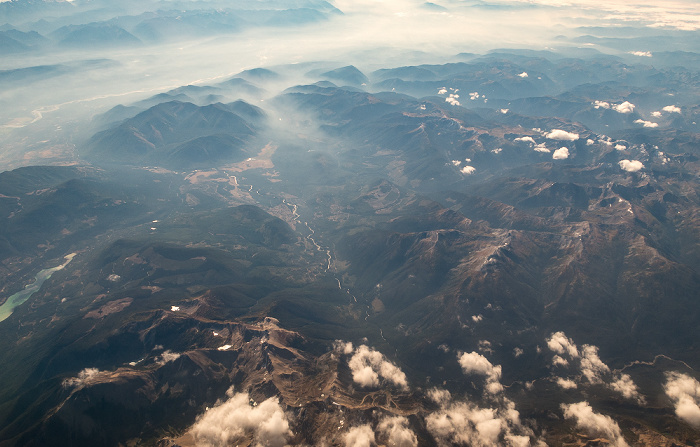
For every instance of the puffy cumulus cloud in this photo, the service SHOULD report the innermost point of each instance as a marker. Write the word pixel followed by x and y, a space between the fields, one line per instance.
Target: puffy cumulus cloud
pixel 82 378
pixel 368 366
pixel 594 424
pixel 525 140
pixel 587 357
pixel 590 142
pixel 523 75
pixel 442 91
pixel 566 384
pixel 361 436
pixel 559 361
pixel 559 343
pixel 631 165
pixel 624 385
pixel 684 391
pixel 439 396
pixel 475 363
pixel 587 361
pixel 656 114
pixel 167 357
pixel 650 124
pixel 561 154
pixel 541 148
pixel 559 134
pixel 641 53
pixel 474 96
pixel 485 346
pixel 395 430
pixel 468 170
pixel 601 104
pixel 343 347
pixel 625 107
pixel 591 365
pixel 236 418
pixel 456 162
pixel 620 147
pixel 672 109
pixel 463 423
pixel 453 99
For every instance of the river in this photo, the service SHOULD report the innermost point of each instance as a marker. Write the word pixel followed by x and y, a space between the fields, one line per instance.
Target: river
pixel 23 295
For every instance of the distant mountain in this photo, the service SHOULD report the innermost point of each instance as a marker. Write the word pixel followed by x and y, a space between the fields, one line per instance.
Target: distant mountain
pixel 487 252
pixel 8 45
pixel 175 25
pixel 258 74
pixel 349 75
pixel 30 39
pixel 175 134
pixel 94 36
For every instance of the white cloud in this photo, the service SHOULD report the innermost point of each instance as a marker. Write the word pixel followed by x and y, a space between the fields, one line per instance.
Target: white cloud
pixel 485 346
pixel 396 431
pixel 684 391
pixel 477 318
pixel 641 53
pixel 559 361
pixel 82 379
pixel 624 385
pixel 559 343
pixel 167 356
pixel 646 123
pixel 523 75
pixel 656 114
pixel 625 107
pixel 475 363
pixel 463 423
pixel 672 109
pixel 601 104
pixel 541 148
pixel 594 424
pixel 517 352
pixel 439 396
pixel 236 417
pixel 525 139
pixel 368 366
pixel 561 154
pixel 468 170
pixel 631 165
pixel 343 347
pixel 504 111
pixel 456 162
pixel 474 96
pixel 590 142
pixel 591 365
pixel 566 384
pixel 442 91
pixel 453 99
pixel 559 134
pixel 361 436
pixel 620 147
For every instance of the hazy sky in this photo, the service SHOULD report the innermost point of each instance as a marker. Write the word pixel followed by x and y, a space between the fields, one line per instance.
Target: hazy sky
pixel 370 34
